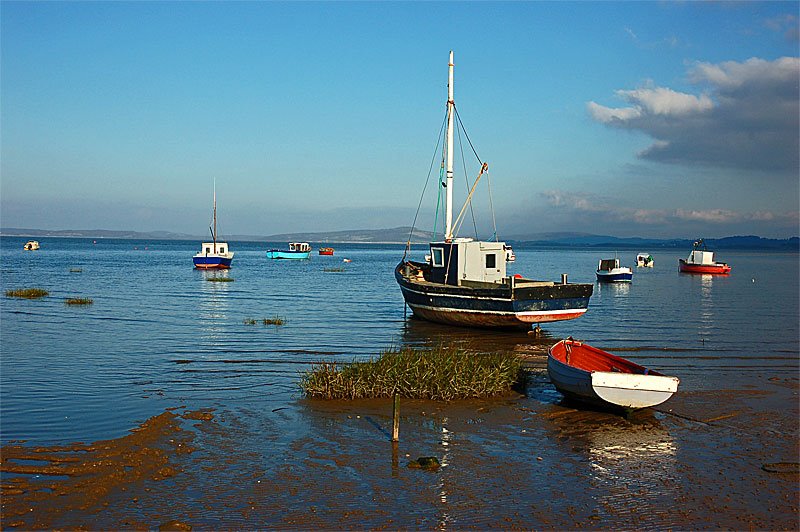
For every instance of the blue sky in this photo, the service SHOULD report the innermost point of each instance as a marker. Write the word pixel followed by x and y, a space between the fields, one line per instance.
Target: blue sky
pixel 654 119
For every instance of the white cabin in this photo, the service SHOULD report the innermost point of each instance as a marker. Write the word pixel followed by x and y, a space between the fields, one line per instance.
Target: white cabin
pixel 700 257
pixel 299 246
pixel 464 259
pixel 210 248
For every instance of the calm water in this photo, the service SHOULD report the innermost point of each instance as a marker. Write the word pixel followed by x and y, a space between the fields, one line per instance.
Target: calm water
pixel 160 334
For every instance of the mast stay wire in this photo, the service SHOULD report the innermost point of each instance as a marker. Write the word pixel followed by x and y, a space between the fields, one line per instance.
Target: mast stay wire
pixel 466 180
pixel 422 196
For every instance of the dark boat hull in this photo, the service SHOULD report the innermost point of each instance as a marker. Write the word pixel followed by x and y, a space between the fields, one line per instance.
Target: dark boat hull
pixel 503 305
pixel 212 263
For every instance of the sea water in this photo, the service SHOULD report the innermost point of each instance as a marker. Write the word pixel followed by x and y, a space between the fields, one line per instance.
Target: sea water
pixel 160 335
pixel 159 332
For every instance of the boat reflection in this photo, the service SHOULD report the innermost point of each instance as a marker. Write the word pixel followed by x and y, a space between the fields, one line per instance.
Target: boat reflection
pixel 213 306
pixel 617 451
pixel 424 334
pixel 612 290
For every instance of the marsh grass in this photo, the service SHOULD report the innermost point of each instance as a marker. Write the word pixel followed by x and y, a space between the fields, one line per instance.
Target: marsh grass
pixel 277 320
pixel 220 279
pixel 79 301
pixel 27 293
pixel 442 373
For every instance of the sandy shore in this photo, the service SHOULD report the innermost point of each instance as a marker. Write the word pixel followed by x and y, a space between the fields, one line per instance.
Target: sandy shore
pixel 713 459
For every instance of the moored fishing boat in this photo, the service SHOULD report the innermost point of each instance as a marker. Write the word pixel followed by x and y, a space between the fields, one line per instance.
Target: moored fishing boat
pixel 464 281
pixel 31 245
pixel 591 375
pixel 326 251
pixel 644 260
pixel 297 250
pixel 701 260
pixel 609 271
pixel 213 255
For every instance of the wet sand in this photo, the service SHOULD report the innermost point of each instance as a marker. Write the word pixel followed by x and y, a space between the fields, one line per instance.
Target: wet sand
pixel 709 459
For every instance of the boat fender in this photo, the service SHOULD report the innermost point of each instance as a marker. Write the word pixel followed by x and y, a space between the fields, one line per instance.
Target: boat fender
pixel 646 371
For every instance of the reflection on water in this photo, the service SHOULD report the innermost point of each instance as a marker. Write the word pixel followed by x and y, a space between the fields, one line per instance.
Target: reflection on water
pixel 213 306
pixel 444 461
pixel 631 464
pixel 706 322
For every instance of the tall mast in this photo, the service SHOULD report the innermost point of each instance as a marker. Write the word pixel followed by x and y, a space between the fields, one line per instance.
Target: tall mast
pixel 449 182
pixel 214 232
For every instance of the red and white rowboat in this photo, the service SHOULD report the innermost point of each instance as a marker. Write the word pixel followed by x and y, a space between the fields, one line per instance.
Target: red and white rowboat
pixel 590 375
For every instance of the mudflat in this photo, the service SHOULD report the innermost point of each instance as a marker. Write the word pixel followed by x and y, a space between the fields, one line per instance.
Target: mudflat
pixel 705 459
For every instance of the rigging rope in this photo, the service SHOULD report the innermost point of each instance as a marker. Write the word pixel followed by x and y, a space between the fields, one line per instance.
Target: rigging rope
pixel 422 196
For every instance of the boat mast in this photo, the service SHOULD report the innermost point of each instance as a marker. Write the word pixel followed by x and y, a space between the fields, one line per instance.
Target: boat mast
pixel 214 232
pixel 448 235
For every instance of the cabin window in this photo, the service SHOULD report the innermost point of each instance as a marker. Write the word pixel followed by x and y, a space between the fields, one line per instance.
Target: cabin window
pixel 437 256
pixel 208 250
pixel 491 260
pixel 222 250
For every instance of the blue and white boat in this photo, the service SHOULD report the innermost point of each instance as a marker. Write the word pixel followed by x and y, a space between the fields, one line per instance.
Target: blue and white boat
pixel 609 271
pixel 297 250
pixel 213 255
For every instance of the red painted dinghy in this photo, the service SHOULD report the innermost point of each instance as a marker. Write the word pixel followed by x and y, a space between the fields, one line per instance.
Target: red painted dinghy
pixel 587 374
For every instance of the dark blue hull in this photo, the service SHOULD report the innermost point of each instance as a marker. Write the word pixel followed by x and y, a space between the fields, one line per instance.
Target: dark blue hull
pixel 211 263
pixel 614 277
pixel 493 305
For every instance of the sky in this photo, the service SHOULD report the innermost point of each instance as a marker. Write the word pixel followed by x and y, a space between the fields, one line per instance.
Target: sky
pixel 649 119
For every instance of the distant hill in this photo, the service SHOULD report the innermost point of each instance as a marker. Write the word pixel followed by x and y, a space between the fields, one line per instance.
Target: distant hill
pixel 399 235
pixel 367 236
pixel 589 240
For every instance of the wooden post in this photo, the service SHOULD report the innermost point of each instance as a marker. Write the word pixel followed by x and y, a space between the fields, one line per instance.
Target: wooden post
pixel 395 417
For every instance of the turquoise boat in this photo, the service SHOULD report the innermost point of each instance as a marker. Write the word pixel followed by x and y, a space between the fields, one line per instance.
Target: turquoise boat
pixel 297 250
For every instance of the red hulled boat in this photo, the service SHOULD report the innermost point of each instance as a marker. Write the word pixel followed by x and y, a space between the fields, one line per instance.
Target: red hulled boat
pixel 701 260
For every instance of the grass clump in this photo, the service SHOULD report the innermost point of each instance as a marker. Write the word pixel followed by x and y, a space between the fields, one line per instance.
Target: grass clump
pixel 79 301
pixel 443 373
pixel 220 279
pixel 27 293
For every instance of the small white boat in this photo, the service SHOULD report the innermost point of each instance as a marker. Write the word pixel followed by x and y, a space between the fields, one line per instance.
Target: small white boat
pixel 644 260
pixel 510 257
pixel 213 255
pixel 609 271
pixel 590 375
pixel 31 245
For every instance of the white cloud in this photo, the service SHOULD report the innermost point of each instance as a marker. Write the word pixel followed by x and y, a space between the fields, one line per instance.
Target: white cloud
pixel 745 116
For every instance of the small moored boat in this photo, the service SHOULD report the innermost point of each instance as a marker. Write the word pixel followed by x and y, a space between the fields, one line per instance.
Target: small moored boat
pixel 213 255
pixel 701 260
pixel 644 260
pixel 326 251
pixel 31 245
pixel 297 250
pixel 590 375
pixel 609 271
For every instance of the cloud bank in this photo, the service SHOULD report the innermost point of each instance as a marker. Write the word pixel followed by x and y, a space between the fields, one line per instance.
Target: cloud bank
pixel 583 209
pixel 745 116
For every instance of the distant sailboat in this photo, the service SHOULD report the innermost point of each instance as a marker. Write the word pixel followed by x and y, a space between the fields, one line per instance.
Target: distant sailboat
pixel 464 281
pixel 214 255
